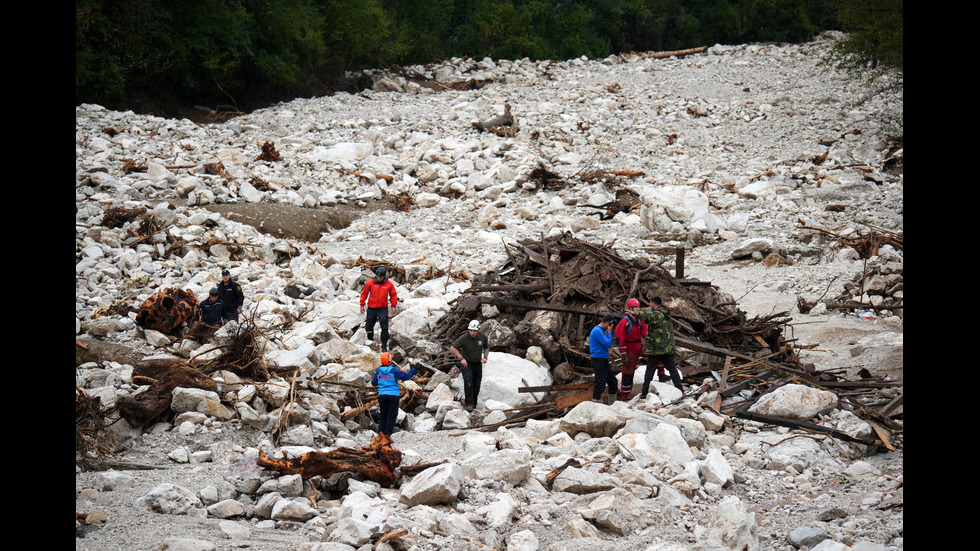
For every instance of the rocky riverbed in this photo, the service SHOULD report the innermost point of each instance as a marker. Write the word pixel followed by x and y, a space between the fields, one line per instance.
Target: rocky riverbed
pixel 769 169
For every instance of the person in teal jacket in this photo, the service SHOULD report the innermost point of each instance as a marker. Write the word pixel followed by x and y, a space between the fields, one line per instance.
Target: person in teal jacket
pixel 386 379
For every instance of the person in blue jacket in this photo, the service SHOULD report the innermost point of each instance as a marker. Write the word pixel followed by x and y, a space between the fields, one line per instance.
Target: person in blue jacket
pixel 600 340
pixel 386 379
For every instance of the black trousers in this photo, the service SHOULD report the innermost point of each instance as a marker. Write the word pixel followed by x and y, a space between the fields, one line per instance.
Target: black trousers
pixel 377 315
pixel 603 377
pixel 389 413
pixel 472 379
pixel 668 361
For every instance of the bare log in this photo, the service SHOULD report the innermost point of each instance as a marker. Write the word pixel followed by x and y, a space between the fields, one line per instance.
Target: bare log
pixel 503 120
pixel 153 404
pixel 675 53
pixel 377 462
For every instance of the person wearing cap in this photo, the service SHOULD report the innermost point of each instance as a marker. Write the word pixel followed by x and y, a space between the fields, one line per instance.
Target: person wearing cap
pixel 386 379
pixel 377 293
pixel 600 340
pixel 210 311
pixel 659 344
pixel 630 333
pixel 472 350
pixel 231 295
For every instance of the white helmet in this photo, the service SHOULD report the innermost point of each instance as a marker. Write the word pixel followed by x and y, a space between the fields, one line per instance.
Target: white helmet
pixel 474 325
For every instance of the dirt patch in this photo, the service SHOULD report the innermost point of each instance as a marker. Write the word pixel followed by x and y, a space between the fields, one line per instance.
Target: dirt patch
pixel 287 221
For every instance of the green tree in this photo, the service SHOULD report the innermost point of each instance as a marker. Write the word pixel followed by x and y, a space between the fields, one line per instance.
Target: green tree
pixel 875 38
pixel 285 40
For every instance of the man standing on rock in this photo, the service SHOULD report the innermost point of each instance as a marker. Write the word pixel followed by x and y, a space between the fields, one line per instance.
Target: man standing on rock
pixel 630 333
pixel 210 310
pixel 377 293
pixel 659 344
pixel 472 350
pixel 600 340
pixel 231 295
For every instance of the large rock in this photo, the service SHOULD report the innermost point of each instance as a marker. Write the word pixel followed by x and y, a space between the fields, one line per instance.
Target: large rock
pixel 582 481
pixel 435 485
pixel 170 499
pixel 199 400
pixel 504 373
pixel 796 402
pixel 507 466
pixel 733 526
pixel 592 418
pixel 717 470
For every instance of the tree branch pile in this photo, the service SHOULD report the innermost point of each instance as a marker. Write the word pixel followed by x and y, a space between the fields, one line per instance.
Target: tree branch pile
pixel 552 292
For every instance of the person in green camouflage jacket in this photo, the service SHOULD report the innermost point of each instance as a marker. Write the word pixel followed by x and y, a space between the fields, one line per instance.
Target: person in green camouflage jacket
pixel 659 344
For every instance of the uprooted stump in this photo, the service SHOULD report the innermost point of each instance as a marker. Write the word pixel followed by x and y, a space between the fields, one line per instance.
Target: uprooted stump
pixel 154 404
pixel 496 123
pixel 167 310
pixel 91 427
pixel 377 462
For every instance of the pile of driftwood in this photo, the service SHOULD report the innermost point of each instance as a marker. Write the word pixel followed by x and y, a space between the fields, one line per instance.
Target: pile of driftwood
pixel 575 283
pixel 879 287
pixel 580 282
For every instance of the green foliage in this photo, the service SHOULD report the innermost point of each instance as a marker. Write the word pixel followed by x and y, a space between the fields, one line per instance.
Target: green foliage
pixel 197 47
pixel 875 36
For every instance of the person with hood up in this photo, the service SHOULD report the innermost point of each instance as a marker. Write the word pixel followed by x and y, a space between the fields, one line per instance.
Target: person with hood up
pixel 630 332
pixel 386 379
pixel 377 293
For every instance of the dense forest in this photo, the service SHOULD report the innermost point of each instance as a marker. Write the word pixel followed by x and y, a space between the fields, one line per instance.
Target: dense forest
pixel 254 51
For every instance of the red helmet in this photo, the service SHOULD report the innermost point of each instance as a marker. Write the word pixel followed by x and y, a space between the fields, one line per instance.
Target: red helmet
pixel 385 358
pixel 632 303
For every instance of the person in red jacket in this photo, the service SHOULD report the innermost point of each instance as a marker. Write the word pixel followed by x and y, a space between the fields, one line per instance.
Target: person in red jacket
pixel 377 293
pixel 630 332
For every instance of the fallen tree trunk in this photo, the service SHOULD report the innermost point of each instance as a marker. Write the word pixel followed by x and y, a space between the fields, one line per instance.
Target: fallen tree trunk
pixel 377 462
pixel 503 120
pixel 153 404
pixel 675 53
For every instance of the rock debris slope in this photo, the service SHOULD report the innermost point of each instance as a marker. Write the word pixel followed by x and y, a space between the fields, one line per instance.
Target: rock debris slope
pixel 755 158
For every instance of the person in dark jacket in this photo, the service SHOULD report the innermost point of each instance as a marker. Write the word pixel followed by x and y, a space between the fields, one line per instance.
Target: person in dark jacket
pixel 231 295
pixel 209 311
pixel 386 379
pixel 472 349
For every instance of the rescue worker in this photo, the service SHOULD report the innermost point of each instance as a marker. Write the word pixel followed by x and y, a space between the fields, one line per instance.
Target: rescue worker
pixel 600 340
pixel 377 293
pixel 386 379
pixel 231 295
pixel 630 333
pixel 659 344
pixel 472 350
pixel 210 310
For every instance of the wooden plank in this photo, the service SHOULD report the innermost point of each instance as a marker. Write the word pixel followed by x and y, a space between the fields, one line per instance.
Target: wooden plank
pixel 860 384
pixel 573 399
pixel 742 385
pixel 554 388
pixel 540 306
pixel 894 408
pixel 723 352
